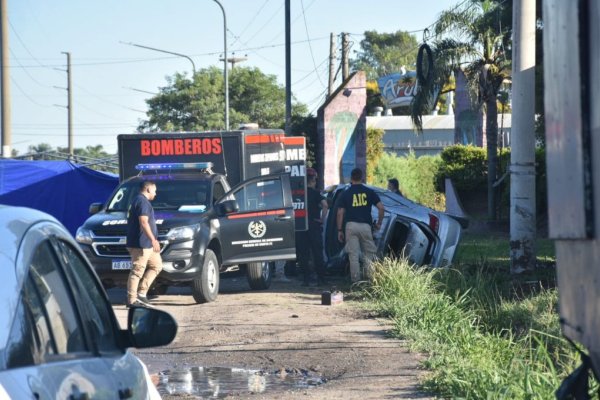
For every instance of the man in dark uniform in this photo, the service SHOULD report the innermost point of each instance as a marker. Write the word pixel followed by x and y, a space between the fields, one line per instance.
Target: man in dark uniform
pixel 311 241
pixel 355 212
pixel 142 245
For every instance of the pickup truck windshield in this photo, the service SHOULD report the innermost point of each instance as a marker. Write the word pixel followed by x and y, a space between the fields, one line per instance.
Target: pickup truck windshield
pixel 171 195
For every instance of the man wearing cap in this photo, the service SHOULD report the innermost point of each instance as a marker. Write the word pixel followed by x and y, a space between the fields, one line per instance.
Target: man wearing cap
pixel 311 241
pixel 355 212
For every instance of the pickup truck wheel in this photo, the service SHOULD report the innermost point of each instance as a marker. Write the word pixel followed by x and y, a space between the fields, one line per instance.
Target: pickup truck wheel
pixel 206 286
pixel 260 275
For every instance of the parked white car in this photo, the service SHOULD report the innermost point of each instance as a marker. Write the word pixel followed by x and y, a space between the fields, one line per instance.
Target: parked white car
pixel 59 337
pixel 409 229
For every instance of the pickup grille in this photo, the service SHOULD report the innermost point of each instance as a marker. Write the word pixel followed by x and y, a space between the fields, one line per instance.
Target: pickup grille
pixel 112 232
pixel 116 250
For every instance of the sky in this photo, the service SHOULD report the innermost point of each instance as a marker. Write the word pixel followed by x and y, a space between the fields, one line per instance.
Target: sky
pixel 111 79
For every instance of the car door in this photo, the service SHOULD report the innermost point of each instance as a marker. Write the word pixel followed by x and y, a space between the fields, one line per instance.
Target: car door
pixel 48 340
pixel 262 227
pixel 101 325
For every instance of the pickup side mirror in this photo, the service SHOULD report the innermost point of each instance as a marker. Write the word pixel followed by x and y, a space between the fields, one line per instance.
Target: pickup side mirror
pixel 227 207
pixel 95 208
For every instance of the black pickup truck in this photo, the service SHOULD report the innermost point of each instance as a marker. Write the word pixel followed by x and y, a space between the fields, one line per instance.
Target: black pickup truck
pixel 205 227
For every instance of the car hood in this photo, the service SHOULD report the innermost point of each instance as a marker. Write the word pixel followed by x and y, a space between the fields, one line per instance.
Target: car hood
pixel 115 222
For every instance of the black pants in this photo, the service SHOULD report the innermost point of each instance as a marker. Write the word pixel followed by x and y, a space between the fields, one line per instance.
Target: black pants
pixel 311 242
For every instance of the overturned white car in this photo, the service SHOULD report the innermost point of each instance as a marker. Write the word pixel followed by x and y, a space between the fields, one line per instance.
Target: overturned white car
pixel 422 235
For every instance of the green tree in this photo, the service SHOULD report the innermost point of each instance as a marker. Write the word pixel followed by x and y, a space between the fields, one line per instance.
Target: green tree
pixel 96 151
pixel 381 54
pixel 198 104
pixel 476 38
pixel 385 53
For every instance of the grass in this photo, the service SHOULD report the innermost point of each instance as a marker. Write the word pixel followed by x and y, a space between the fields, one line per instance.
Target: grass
pixel 487 334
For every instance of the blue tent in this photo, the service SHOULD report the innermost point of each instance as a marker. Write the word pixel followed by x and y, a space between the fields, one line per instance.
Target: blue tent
pixel 60 188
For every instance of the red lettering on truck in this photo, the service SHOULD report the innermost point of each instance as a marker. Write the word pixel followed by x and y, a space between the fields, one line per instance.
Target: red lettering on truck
pixel 191 146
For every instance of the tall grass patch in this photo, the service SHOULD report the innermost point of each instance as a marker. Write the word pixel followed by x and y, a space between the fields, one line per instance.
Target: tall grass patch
pixel 485 340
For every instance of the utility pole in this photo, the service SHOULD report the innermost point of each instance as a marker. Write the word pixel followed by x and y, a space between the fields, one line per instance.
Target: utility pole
pixel 225 74
pixel 288 71
pixel 69 103
pixel 522 154
pixel 5 77
pixel 345 50
pixel 234 60
pixel 332 43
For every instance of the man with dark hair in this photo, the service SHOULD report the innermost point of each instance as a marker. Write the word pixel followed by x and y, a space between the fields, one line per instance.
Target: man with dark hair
pixel 394 186
pixel 355 212
pixel 311 240
pixel 142 245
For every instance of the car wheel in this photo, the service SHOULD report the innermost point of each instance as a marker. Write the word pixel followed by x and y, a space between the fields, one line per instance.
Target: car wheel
pixel 206 286
pixel 260 275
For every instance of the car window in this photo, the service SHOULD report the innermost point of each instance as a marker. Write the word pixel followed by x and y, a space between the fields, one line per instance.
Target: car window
pixel 96 312
pixel 29 341
pixel 261 195
pixel 218 191
pixel 56 300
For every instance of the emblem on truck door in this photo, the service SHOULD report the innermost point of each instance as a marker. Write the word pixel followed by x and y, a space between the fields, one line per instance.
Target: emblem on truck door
pixel 257 229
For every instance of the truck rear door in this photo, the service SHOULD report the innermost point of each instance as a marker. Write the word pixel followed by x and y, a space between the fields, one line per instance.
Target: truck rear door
pixel 262 229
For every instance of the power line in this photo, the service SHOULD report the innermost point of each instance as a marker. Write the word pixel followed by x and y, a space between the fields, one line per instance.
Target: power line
pixel 309 45
pixel 140 60
pixel 252 20
pixel 26 95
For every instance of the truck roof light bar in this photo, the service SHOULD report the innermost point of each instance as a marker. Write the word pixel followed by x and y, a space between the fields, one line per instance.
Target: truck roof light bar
pixel 206 166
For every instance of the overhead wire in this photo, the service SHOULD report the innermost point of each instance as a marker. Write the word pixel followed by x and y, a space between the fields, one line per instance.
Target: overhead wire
pixel 309 45
pixel 252 20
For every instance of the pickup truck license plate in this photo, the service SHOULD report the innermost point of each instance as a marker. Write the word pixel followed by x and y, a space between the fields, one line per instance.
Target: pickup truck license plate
pixel 120 264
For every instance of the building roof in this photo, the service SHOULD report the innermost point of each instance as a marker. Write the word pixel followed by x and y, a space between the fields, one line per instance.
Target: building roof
pixel 403 122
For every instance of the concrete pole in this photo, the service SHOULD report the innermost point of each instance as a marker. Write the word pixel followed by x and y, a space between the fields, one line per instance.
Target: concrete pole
pixel 522 157
pixel 5 78
pixel 345 50
pixel 69 104
pixel 288 69
pixel 225 74
pixel 331 64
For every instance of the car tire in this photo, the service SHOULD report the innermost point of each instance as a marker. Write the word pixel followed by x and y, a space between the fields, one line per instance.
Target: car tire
pixel 260 275
pixel 205 287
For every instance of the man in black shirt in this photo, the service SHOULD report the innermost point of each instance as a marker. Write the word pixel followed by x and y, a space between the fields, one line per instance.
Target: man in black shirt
pixel 142 245
pixel 355 212
pixel 311 240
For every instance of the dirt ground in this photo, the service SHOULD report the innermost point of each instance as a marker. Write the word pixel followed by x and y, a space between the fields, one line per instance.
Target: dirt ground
pixel 288 344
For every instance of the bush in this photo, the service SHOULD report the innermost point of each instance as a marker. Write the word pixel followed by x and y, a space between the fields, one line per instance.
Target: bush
pixel 416 177
pixel 465 165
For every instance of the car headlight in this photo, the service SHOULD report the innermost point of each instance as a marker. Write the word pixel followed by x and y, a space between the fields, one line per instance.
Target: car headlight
pixel 182 233
pixel 83 235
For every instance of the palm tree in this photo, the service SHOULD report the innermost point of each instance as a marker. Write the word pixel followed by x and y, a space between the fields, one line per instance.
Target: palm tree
pixel 475 38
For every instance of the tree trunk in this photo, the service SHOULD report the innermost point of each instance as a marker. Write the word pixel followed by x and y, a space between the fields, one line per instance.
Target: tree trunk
pixel 492 153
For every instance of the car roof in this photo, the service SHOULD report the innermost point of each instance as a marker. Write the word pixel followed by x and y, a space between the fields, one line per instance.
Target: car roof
pixel 15 222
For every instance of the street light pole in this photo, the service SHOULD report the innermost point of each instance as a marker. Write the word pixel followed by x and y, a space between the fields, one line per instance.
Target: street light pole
pixel 225 77
pixel 163 51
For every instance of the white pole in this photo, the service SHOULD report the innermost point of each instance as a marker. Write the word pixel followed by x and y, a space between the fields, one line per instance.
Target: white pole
pixel 522 155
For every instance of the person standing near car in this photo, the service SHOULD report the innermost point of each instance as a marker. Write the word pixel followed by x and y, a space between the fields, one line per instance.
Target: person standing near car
pixel 355 211
pixel 393 186
pixel 142 245
pixel 311 240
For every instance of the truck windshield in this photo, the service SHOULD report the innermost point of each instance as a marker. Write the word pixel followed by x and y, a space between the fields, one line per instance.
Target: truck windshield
pixel 173 195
